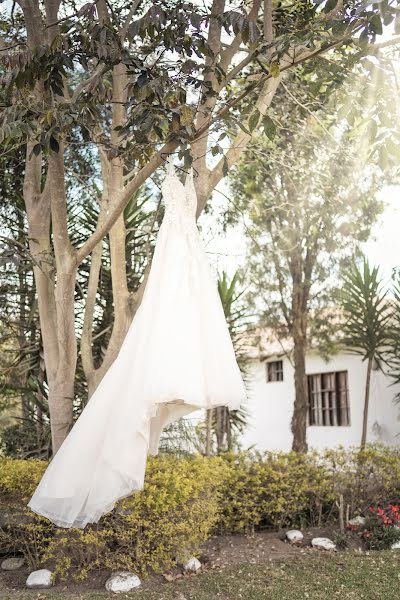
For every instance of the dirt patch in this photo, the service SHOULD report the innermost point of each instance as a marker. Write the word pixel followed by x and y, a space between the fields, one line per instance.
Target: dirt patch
pixel 218 552
pixel 226 550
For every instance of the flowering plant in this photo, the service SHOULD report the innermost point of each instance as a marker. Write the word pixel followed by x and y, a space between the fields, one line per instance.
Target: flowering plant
pixel 382 526
pixel 389 515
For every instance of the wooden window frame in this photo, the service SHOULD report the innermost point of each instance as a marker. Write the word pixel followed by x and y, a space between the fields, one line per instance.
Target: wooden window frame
pixel 328 399
pixel 274 371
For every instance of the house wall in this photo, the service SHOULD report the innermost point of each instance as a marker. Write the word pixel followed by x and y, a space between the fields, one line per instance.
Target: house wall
pixel 270 406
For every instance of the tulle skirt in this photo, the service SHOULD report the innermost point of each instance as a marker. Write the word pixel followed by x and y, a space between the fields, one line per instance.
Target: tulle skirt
pixel 177 357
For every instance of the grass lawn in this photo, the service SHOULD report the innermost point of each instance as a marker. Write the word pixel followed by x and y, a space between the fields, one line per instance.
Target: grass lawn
pixel 348 576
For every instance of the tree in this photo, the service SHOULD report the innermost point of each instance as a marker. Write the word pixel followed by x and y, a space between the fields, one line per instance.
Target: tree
pixel 21 365
pixel 22 371
pixel 135 83
pixel 367 319
pixel 303 220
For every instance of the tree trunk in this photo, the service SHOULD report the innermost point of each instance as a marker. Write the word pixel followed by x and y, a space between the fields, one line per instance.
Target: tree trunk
pixel 228 430
pixel 40 401
pixel 366 404
pixel 209 418
pixel 299 419
pixel 113 181
pixel 61 384
pixel 61 394
pixel 220 428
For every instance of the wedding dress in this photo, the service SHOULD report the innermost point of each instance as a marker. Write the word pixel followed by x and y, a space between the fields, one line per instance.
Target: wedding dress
pixel 177 357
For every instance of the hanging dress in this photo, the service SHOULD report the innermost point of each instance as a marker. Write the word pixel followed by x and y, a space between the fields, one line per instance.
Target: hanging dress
pixel 177 357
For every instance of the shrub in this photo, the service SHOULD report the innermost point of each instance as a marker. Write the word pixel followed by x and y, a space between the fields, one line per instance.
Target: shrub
pixel 289 489
pixel 382 527
pixel 276 490
pixel 185 499
pixel 20 440
pixel 364 478
pixel 151 529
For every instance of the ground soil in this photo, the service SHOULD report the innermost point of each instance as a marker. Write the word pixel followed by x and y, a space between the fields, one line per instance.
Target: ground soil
pixel 219 552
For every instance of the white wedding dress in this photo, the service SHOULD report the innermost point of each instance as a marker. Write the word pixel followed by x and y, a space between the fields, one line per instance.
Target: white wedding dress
pixel 177 357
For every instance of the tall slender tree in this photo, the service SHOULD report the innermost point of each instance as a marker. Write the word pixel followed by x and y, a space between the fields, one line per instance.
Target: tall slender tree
pixel 367 320
pixel 302 221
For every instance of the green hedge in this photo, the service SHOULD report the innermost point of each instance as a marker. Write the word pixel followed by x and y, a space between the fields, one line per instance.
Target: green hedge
pixel 289 489
pixel 167 521
pixel 187 499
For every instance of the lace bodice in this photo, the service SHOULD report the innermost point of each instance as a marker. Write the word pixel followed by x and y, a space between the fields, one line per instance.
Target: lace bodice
pixel 180 199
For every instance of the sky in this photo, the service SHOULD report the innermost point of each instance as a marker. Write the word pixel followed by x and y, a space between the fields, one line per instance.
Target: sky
pixel 383 248
pixel 228 251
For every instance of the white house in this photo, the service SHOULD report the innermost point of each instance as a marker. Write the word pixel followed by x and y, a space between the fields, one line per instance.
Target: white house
pixel 336 400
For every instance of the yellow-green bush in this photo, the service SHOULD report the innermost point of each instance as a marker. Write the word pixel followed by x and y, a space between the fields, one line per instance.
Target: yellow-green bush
pixel 275 489
pixel 366 478
pixel 185 499
pixel 166 521
pixel 289 489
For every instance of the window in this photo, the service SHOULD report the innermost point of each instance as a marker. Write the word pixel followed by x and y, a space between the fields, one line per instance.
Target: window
pixel 275 370
pixel 328 399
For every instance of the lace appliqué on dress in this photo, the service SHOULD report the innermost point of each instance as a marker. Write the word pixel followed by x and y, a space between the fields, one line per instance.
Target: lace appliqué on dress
pixel 180 201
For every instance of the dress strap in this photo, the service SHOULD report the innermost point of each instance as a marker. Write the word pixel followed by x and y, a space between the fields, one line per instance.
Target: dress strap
pixel 170 165
pixel 189 176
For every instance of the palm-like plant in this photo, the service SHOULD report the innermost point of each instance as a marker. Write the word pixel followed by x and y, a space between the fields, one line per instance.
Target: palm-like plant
pixel 393 354
pixel 365 331
pixel 222 423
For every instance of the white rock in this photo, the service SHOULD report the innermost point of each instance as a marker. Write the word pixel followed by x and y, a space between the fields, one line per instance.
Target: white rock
pixel 323 544
pixel 395 546
pixel 294 536
pixel 192 565
pixel 357 522
pixel 124 581
pixel 12 563
pixel 39 579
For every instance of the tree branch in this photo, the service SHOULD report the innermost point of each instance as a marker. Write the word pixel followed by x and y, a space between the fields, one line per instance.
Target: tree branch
pixel 87 338
pixel 98 72
pixel 124 29
pixel 230 51
pixel 217 174
pixel 268 26
pixel 208 100
pixel 123 198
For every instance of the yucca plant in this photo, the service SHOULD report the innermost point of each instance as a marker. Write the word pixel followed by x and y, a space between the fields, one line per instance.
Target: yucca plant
pixel 366 331
pixel 393 354
pixel 222 423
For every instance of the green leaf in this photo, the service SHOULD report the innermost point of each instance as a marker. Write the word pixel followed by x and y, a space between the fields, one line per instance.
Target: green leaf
pixel 243 128
pixel 225 166
pixel 269 127
pixel 274 69
pixel 254 119
pixel 54 145
pixel 37 148
pixel 376 24
pixel 330 5
pixel 364 38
